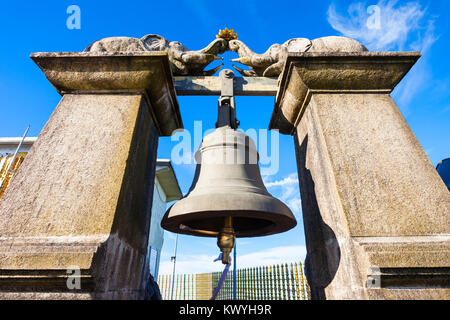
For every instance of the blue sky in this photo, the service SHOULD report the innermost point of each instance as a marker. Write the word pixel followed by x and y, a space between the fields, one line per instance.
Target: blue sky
pixel 423 97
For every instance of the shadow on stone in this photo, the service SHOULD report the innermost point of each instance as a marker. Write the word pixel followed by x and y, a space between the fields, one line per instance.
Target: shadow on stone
pixel 120 265
pixel 323 252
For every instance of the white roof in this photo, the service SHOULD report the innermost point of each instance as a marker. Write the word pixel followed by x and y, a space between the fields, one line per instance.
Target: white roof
pixel 16 140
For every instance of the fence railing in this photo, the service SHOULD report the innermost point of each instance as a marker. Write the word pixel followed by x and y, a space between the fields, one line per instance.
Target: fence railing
pixel 277 282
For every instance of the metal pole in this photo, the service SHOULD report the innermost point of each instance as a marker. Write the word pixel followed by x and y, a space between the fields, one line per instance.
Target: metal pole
pixel 174 259
pixel 17 150
pixel 235 272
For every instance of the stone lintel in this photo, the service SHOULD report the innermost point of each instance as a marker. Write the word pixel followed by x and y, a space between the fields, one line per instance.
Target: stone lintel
pixel 116 72
pixel 359 72
pixel 211 86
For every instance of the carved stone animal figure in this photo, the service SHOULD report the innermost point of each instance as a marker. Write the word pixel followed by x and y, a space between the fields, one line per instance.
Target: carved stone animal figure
pixel 336 44
pixel 271 63
pixel 182 60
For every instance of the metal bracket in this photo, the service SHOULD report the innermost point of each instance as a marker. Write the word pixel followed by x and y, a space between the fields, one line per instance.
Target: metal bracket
pixel 227 106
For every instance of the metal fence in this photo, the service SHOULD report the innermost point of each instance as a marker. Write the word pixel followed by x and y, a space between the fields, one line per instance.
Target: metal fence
pixel 277 282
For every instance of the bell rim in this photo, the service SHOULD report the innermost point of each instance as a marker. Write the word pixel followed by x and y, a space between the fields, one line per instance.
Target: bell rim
pixel 280 220
pixel 278 225
pixel 256 212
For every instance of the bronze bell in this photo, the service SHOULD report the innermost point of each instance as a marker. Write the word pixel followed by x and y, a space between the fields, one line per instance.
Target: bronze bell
pixel 228 198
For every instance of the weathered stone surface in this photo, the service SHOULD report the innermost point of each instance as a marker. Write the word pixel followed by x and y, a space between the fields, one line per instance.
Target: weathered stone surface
pixel 307 73
pixel 370 196
pixel 117 44
pixel 336 44
pixel 242 86
pixel 127 72
pixel 83 195
pixel 271 63
pixel 182 60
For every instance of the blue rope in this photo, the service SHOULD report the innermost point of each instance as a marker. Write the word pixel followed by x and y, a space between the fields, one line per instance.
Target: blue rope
pixel 222 277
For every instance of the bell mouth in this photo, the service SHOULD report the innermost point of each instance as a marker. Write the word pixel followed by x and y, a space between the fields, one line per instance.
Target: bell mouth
pixel 241 225
pixel 209 223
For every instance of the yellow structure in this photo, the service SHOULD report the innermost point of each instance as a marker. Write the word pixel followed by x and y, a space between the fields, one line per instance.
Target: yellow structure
pixel 8 147
pixel 5 176
pixel 227 34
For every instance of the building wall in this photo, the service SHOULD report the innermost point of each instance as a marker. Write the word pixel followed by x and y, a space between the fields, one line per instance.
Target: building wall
pixel 9 145
pixel 156 237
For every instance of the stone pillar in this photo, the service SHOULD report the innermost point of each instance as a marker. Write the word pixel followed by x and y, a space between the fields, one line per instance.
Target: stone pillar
pixel 375 211
pixel 82 198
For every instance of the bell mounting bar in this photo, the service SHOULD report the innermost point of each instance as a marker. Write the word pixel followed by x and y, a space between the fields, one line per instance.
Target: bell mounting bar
pixel 211 86
pixel 227 106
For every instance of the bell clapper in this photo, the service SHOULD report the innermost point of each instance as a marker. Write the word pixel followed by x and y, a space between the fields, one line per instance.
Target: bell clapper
pixel 225 239
pixel 203 232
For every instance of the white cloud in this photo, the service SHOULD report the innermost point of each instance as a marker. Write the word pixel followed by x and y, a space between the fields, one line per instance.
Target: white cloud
pixel 295 204
pixel 204 263
pixel 399 27
pixel 396 24
pixel 287 190
pixel 289 180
